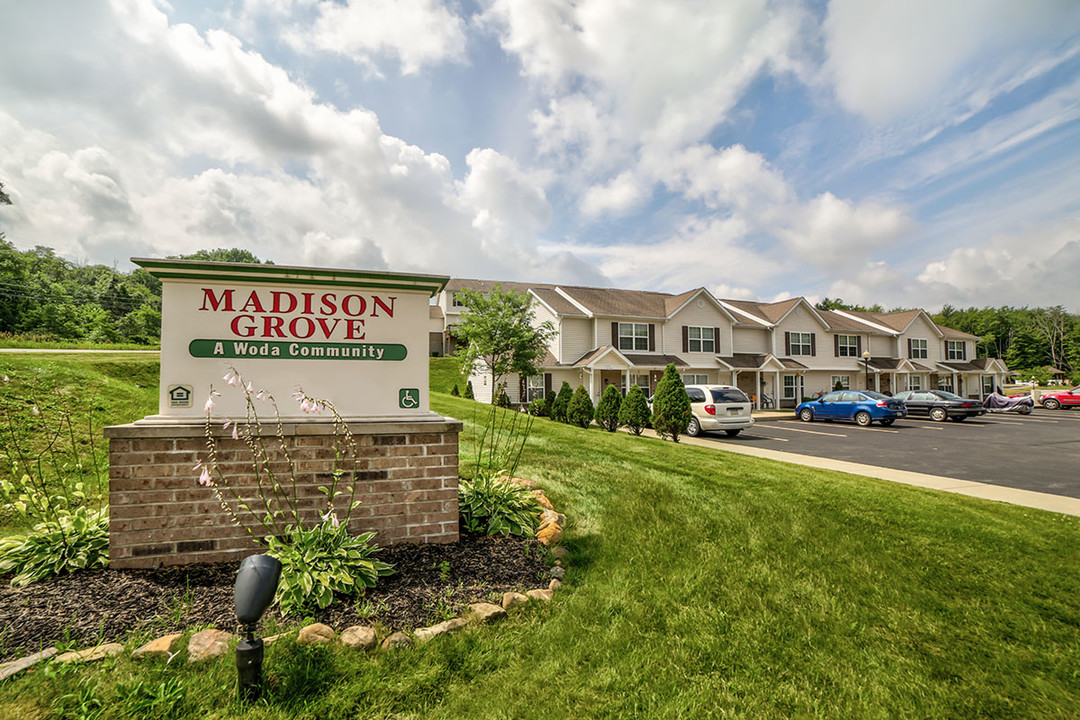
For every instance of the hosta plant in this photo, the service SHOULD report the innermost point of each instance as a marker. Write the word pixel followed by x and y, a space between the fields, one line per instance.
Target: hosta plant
pixel 75 540
pixel 495 506
pixel 321 561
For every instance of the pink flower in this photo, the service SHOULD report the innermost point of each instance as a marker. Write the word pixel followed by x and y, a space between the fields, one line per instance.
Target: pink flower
pixel 305 405
pixel 204 478
pixel 261 396
pixel 230 378
pixel 209 407
pixel 249 388
pixel 235 435
pixel 332 517
pixel 226 425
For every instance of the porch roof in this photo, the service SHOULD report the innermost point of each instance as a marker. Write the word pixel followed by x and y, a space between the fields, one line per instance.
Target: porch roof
pixel 959 366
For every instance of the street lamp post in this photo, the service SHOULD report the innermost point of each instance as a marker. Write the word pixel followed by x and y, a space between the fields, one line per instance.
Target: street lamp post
pixel 866 363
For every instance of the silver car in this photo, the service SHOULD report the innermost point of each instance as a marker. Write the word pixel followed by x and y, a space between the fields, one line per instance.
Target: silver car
pixel 718 407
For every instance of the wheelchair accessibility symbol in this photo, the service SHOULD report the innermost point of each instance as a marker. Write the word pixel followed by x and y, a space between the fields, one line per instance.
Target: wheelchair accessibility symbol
pixel 409 398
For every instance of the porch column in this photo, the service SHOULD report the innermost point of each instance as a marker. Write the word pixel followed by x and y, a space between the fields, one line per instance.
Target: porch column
pixel 777 389
pixel 757 388
pixel 592 385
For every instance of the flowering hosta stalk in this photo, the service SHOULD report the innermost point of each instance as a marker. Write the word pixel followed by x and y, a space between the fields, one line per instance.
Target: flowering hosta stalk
pixel 319 557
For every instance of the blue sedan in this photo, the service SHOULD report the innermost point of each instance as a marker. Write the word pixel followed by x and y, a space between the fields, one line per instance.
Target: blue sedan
pixel 860 406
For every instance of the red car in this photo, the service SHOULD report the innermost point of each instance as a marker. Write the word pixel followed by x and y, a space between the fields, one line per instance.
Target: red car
pixel 1067 399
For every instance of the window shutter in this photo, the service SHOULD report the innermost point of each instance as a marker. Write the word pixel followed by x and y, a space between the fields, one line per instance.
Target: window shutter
pixel 615 335
pixel 685 339
pixel 652 338
pixel 787 344
pixel 836 345
pixel 547 384
pixel 813 344
pixel 523 389
pixel 716 340
pixel 909 351
pixel 858 345
pixel 963 351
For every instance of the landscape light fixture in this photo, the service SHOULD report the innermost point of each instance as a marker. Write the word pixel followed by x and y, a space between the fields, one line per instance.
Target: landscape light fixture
pixel 866 361
pixel 256 583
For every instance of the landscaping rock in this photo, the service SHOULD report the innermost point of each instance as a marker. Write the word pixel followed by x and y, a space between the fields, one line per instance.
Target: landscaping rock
pixel 397 640
pixel 550 535
pixel 274 638
pixel 316 634
pixel 542 595
pixel 16 666
pixel 91 654
pixel 207 644
pixel 513 599
pixel 543 500
pixel 560 553
pixel 555 584
pixel 164 647
pixel 548 517
pixel 360 637
pixel 486 612
pixel 520 482
pixel 558 572
pixel 425 634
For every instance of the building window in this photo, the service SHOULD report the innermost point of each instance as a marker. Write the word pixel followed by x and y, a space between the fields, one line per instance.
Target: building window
pixel 695 379
pixel 802 343
pixel 792 387
pixel 642 381
pixel 944 382
pixel 534 388
pixel 701 339
pixel 843 380
pixel 914 382
pixel 456 301
pixel 954 350
pixel 633 336
pixel 988 384
pixel 918 348
pixel 847 346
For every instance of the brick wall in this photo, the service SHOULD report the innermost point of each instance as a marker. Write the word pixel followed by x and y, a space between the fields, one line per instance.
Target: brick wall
pixel 406 482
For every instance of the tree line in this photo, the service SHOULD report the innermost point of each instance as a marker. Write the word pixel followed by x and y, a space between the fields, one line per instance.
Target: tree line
pixel 1032 341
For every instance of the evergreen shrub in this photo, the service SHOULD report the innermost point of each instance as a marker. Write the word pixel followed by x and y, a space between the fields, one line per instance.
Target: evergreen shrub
pixel 607 412
pixel 580 411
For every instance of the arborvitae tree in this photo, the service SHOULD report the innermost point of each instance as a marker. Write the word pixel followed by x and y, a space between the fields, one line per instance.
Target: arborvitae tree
pixel 501 398
pixel 469 391
pixel 562 400
pixel 607 412
pixel 634 411
pixel 671 406
pixel 551 400
pixel 580 411
pixel 539 407
pixel 454 391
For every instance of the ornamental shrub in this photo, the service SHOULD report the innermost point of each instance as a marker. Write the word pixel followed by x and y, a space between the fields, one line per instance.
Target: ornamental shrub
pixel 634 411
pixel 501 398
pixel 454 392
pixel 469 391
pixel 494 505
pixel 607 412
pixel 580 411
pixel 321 561
pixel 539 407
pixel 671 406
pixel 562 401
pixel 76 540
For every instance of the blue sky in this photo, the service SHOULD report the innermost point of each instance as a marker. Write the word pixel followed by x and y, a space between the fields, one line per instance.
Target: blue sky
pixel 914 153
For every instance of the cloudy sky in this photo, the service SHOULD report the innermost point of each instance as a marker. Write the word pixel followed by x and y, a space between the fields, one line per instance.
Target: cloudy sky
pixel 907 153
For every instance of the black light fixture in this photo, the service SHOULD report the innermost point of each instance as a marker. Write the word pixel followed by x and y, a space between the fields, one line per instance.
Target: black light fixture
pixel 866 362
pixel 256 583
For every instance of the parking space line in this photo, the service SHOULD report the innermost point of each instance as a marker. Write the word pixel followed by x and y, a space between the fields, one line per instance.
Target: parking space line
pixel 803 430
pixel 765 437
pixel 1021 421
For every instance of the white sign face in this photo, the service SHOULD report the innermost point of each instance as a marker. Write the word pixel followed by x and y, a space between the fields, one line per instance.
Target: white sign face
pixel 357 340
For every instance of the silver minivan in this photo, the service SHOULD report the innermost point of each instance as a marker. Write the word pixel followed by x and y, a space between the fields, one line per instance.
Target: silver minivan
pixel 718 407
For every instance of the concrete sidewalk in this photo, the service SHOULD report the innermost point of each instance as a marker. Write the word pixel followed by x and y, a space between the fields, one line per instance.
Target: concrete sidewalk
pixel 986 491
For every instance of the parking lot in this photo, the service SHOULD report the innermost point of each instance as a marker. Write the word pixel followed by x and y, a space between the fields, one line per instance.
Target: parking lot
pixel 1039 452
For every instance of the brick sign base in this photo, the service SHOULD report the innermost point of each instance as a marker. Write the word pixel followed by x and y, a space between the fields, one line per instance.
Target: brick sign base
pixel 406 476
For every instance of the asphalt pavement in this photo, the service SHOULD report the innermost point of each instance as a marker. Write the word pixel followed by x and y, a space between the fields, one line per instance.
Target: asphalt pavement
pixel 1039 452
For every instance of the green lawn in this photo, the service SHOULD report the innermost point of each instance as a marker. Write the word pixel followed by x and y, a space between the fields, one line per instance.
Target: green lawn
pixel 701 585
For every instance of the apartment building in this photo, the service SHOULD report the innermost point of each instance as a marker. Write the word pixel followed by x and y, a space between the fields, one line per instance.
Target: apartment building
pixel 777 353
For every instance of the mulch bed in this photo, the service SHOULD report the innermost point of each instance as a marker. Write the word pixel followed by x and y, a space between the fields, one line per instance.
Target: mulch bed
pixel 104 606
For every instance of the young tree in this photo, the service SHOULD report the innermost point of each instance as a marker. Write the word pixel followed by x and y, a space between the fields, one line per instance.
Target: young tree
pixel 469 391
pixel 500 335
pixel 671 406
pixel 580 410
pixel 454 392
pixel 562 400
pixel 501 398
pixel 607 411
pixel 634 412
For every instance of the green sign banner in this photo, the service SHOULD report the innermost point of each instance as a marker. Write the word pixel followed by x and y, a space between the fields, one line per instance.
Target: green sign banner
pixel 204 348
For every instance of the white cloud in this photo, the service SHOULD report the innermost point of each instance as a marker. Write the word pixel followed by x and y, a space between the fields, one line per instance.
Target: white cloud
pixel 831 232
pixel 893 58
pixel 623 193
pixel 418 33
